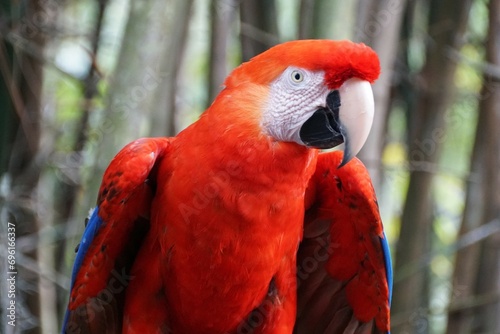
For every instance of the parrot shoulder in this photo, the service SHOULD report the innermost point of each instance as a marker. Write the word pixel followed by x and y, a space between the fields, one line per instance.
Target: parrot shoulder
pixel 344 270
pixel 113 236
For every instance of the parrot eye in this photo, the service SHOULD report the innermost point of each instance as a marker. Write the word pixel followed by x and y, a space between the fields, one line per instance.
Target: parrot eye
pixel 297 76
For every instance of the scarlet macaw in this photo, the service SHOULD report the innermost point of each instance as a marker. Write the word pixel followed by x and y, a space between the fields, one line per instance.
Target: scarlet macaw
pixel 239 224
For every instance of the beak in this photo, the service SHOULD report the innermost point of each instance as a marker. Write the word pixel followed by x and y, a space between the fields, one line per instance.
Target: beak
pixel 347 118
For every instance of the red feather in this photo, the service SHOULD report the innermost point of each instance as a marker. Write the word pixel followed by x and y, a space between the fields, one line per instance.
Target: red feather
pixel 345 198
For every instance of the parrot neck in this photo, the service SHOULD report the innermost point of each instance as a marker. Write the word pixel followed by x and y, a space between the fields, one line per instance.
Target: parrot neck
pixel 241 148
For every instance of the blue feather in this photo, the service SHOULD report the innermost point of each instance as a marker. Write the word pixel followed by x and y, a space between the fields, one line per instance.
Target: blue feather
pixel 88 236
pixel 388 266
pixel 90 232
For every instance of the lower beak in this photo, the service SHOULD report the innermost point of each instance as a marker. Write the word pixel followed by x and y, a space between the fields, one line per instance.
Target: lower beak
pixel 347 118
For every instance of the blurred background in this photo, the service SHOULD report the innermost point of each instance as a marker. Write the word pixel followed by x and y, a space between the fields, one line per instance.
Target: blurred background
pixel 80 79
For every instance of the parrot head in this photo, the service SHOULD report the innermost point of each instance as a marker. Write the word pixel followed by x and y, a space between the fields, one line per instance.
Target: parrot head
pixel 319 92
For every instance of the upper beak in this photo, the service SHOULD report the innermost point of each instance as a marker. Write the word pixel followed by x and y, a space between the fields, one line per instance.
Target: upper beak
pixel 347 118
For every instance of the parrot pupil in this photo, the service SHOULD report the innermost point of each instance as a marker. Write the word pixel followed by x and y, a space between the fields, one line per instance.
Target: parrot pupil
pixel 297 76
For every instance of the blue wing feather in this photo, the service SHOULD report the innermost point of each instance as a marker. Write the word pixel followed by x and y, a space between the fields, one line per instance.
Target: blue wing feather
pixel 388 266
pixel 90 232
pixel 93 226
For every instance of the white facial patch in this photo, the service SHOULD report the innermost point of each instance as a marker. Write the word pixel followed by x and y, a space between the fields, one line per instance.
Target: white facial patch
pixel 294 96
